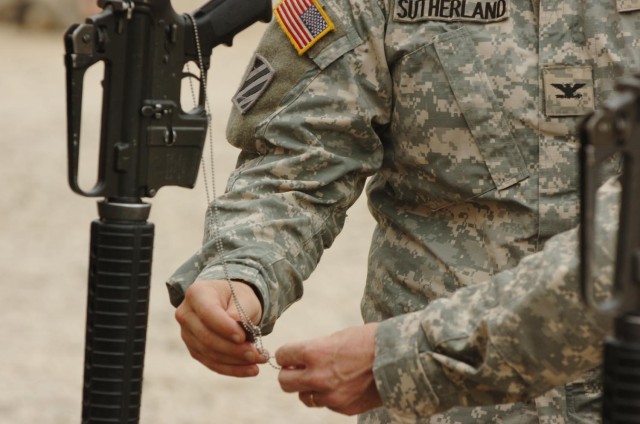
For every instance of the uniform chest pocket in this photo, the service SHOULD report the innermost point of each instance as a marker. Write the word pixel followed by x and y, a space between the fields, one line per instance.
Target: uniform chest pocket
pixel 457 137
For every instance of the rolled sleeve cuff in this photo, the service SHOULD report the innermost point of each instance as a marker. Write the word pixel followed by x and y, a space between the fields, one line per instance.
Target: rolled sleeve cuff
pixel 177 288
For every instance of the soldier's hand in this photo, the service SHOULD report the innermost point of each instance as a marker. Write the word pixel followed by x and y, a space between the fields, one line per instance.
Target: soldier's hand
pixel 209 327
pixel 334 372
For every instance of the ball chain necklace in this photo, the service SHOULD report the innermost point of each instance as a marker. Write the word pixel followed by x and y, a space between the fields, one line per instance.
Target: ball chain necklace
pixel 253 332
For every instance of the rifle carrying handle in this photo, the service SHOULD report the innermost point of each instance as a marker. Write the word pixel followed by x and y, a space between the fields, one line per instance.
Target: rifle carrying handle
pixel 117 311
pixel 219 21
pixel 80 46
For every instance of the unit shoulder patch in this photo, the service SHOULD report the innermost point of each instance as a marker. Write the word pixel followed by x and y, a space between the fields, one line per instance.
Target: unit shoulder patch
pixel 255 82
pixel 479 11
pixel 304 22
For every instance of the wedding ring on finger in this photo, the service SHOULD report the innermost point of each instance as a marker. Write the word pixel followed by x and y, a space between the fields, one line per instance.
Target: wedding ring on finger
pixel 312 400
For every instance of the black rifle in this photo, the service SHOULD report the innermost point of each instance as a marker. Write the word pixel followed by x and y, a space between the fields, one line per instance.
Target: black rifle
pixel 614 130
pixel 146 142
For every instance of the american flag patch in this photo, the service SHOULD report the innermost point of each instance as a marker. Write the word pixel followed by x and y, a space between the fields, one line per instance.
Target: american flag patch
pixel 303 21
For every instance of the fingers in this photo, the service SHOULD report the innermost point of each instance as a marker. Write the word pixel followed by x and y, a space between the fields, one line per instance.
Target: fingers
pixel 301 380
pixel 201 339
pixel 212 333
pixel 298 373
pixel 291 356
pixel 310 399
pixel 304 370
pixel 209 301
pixel 217 352
pixel 334 372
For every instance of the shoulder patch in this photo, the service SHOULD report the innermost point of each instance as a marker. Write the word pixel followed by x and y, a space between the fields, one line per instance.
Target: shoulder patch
pixel 255 82
pixel 304 22
pixel 479 11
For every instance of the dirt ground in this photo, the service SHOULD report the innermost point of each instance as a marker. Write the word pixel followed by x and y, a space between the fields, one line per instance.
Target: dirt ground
pixel 44 237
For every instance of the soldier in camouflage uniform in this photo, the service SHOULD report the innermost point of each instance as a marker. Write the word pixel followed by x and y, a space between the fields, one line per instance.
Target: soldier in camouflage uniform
pixel 510 338
pixel 463 113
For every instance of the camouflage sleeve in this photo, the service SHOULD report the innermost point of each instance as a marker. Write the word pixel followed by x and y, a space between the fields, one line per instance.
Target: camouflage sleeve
pixel 308 142
pixel 519 334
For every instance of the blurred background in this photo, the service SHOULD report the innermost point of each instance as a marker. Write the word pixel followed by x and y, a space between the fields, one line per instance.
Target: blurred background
pixel 44 242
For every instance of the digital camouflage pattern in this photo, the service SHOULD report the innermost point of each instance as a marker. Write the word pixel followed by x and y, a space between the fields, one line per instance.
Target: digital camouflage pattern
pixel 521 332
pixel 466 126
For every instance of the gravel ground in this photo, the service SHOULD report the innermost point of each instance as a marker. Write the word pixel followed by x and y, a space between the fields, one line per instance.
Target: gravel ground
pixel 44 249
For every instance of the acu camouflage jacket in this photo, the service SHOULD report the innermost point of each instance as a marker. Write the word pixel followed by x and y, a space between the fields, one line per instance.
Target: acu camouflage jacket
pixel 463 113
